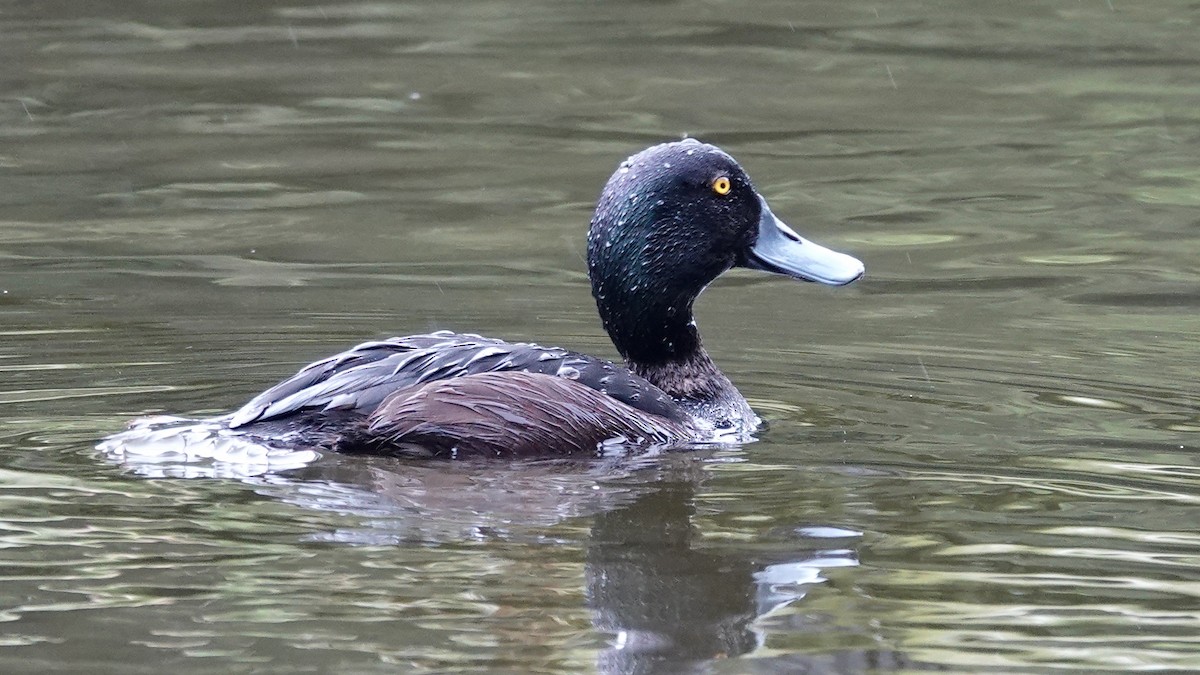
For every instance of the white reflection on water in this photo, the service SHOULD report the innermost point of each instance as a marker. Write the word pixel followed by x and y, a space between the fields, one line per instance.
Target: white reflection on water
pixel 175 447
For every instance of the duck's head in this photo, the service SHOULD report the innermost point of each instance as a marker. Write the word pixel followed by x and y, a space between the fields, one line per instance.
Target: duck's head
pixel 671 220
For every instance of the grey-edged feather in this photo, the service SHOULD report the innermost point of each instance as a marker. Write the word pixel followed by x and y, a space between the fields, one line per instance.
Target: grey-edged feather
pixel 358 380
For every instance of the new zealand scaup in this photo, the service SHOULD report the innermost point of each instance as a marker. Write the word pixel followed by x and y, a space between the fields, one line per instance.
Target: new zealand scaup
pixel 671 219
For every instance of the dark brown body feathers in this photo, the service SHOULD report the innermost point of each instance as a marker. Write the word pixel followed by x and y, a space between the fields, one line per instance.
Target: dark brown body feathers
pixel 509 414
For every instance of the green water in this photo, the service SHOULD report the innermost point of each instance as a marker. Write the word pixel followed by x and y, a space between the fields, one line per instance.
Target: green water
pixel 983 456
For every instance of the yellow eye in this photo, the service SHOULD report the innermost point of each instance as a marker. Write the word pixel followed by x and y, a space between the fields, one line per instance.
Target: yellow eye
pixel 721 186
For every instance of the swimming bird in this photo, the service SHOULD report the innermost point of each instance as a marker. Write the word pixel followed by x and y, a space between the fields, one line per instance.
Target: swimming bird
pixel 670 220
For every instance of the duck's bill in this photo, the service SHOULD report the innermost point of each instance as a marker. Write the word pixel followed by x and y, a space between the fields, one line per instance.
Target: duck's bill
pixel 780 250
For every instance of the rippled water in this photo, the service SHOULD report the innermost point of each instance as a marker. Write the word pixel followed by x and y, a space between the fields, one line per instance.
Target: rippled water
pixel 982 456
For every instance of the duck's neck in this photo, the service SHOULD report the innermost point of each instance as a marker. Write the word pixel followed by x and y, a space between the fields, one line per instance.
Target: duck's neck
pixel 693 380
pixel 658 338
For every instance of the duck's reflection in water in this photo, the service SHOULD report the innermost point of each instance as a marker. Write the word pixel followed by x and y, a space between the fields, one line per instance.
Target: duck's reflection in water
pixel 667 598
pixel 673 604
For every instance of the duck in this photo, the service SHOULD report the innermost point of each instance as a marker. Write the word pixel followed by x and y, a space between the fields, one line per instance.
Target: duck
pixel 669 221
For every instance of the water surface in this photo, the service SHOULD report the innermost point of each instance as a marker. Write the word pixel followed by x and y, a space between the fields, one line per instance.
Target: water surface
pixel 982 456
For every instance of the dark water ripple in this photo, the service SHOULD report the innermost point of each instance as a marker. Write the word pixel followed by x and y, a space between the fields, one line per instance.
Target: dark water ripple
pixel 981 458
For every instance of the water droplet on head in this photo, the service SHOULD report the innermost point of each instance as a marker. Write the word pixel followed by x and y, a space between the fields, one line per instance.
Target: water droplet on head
pixel 568 372
pixel 666 165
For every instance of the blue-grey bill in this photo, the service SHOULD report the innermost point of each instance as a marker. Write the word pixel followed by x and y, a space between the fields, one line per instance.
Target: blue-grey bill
pixel 780 250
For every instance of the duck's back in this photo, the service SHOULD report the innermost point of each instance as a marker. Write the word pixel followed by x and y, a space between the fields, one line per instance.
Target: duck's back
pixel 360 380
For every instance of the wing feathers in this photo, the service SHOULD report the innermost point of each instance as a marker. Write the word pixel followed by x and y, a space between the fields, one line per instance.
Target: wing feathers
pixel 358 380
pixel 513 413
